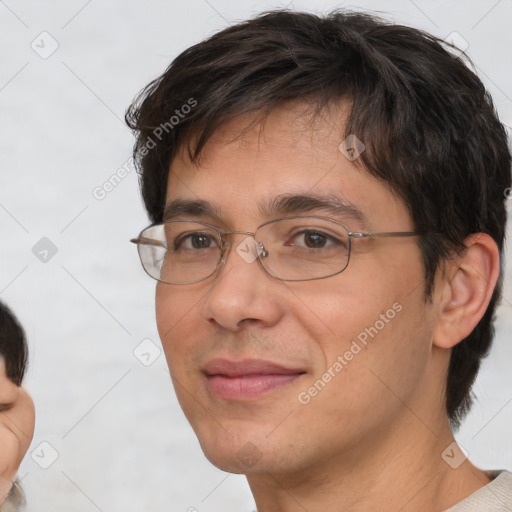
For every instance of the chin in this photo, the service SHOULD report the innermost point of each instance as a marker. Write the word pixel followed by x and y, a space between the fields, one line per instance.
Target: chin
pixel 252 452
pixel 225 462
pixel 240 453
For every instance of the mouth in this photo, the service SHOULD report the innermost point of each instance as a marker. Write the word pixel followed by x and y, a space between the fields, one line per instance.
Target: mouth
pixel 248 379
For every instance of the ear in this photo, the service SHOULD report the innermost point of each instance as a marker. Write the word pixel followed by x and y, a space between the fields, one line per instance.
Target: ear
pixel 467 286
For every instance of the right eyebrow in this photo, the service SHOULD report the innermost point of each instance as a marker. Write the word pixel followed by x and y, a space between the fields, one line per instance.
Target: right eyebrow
pixel 189 208
pixel 293 204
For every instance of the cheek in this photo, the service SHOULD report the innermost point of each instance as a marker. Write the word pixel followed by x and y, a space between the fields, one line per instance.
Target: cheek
pixel 336 312
pixel 174 308
pixel 372 324
pixel 8 461
pixel 371 369
pixel 15 445
pixel 177 321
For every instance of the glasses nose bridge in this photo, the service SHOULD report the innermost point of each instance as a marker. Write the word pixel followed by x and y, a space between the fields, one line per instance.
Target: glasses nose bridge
pixel 247 233
pixel 226 245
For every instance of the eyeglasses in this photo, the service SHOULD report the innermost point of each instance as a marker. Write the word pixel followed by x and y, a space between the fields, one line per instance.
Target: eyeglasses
pixel 290 249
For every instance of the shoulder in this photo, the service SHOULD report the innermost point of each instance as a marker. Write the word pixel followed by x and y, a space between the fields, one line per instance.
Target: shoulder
pixel 15 499
pixel 494 497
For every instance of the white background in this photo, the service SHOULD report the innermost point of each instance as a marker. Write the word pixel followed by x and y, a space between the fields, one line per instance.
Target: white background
pixel 123 444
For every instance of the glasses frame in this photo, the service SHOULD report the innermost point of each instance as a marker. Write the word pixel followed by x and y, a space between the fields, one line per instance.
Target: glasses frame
pixel 224 248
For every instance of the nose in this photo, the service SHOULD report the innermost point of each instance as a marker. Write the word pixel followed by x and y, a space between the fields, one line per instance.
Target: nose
pixel 243 293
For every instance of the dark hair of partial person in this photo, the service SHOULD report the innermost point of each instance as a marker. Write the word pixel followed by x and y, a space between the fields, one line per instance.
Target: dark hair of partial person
pixel 429 126
pixel 13 345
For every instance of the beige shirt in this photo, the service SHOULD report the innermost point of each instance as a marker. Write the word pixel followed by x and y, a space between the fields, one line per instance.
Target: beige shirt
pixel 494 497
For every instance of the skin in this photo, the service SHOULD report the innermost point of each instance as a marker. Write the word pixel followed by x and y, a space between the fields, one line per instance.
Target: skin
pixel 376 432
pixel 17 418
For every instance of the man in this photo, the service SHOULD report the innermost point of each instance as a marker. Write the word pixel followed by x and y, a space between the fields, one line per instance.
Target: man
pixel 16 409
pixel 328 206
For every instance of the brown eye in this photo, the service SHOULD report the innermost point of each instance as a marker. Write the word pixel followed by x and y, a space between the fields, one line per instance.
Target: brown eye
pixel 200 241
pixel 311 239
pixel 195 241
pixel 315 240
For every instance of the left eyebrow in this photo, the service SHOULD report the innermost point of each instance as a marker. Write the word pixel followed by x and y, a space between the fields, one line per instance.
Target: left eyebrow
pixel 189 208
pixel 300 203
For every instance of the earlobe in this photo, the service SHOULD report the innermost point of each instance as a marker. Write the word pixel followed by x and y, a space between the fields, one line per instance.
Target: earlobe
pixel 468 285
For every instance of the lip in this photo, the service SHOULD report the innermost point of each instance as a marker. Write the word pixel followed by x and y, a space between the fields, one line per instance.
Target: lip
pixel 247 379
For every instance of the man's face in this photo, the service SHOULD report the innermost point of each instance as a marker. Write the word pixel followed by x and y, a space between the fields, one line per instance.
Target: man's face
pixel 245 349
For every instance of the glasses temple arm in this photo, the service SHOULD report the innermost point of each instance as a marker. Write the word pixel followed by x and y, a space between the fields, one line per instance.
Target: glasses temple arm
pixel 147 241
pixel 389 234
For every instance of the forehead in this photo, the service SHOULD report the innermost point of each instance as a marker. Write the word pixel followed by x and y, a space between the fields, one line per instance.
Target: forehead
pixel 247 164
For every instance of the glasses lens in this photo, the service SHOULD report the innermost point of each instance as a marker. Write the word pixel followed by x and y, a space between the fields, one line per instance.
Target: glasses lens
pixel 302 248
pixel 179 252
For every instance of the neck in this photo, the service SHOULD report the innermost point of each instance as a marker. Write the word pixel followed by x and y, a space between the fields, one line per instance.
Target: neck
pixel 402 471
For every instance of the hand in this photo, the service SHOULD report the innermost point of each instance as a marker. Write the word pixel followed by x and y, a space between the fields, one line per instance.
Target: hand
pixel 17 419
